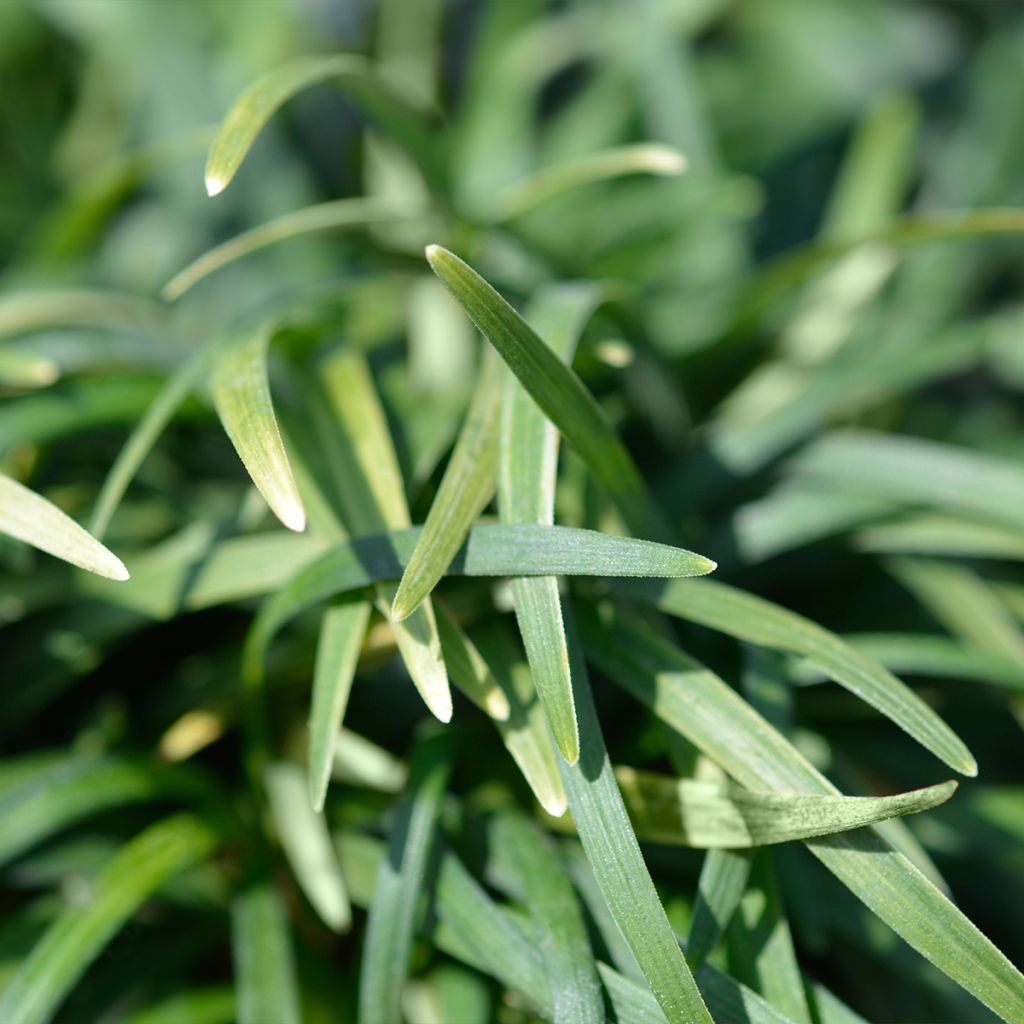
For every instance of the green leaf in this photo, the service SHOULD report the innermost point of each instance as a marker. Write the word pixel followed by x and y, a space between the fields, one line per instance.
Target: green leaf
pixel 465 491
pixel 562 396
pixel 41 802
pixel 359 762
pixel 143 436
pixel 723 878
pixel 528 468
pixel 761 948
pixel 545 184
pixel 79 933
pixel 374 498
pixel 21 369
pixel 78 307
pixel 392 918
pixel 917 471
pixel 241 394
pixel 340 214
pixel 407 122
pixel 935 534
pixel 212 1005
pixel 468 669
pixel 490 550
pixel 755 620
pixel 613 852
pixel 265 982
pixel 710 714
pixel 307 844
pixel 342 630
pixel 29 517
pixel 706 815
pixel 564 947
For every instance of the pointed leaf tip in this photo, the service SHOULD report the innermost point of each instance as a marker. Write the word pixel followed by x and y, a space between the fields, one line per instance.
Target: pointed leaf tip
pixel 215 184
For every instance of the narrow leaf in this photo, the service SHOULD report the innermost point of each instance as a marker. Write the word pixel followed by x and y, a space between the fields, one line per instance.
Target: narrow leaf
pixel 265 984
pixel 307 844
pixel 80 932
pixel 564 946
pixel 468 669
pixel 618 864
pixel 241 394
pixel 392 919
pixel 723 878
pixel 562 396
pixel 29 517
pixel 465 490
pixel 755 620
pixel 342 630
pixel 706 815
pixel 714 718
pixel 528 467
pixel 33 311
pixel 356 76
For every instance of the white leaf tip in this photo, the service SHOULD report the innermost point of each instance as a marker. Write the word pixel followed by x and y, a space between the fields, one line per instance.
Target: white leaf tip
pixel 215 184
pixel 664 160
pixel 293 516
pixel 116 571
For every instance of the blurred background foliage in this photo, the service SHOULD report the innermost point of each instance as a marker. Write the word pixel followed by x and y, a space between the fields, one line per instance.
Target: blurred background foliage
pixel 803 122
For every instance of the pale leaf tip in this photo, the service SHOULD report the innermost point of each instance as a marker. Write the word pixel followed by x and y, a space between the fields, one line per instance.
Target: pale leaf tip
pixel 707 566
pixel 215 184
pixel 402 607
pixel 433 252
pixel 115 570
pixel 293 516
pixel 665 160
pixel 556 804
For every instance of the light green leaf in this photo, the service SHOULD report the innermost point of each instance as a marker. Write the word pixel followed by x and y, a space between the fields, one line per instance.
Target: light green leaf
pixel 562 396
pixel 357 77
pixel 374 498
pixel 761 950
pixel 265 984
pixel 392 918
pixel 143 436
pixel 545 184
pixel 307 844
pixel 340 214
pixel 528 468
pixel 22 369
pixel 342 630
pixel 80 932
pixel 723 878
pixel 706 815
pixel 714 718
pixel 23 312
pixel 921 472
pixel 464 492
pixel 935 534
pixel 241 394
pixel 468 669
pixel 564 947
pixel 490 550
pixel 29 517
pixel 613 852
pixel 755 620
pixel 360 762
pixel 41 801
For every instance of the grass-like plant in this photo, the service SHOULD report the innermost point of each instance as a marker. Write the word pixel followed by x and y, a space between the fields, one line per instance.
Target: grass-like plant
pixel 530 563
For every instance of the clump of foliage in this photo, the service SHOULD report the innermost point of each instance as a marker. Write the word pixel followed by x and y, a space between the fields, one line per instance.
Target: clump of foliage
pixel 571 487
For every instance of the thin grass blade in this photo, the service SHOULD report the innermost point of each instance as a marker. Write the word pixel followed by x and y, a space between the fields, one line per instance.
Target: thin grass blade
pixel 465 491
pixel 307 844
pixel 241 394
pixel 79 933
pixel 562 396
pixel 392 918
pixel 29 517
pixel 265 983
pixel 342 630
pixel 722 881
pixel 755 620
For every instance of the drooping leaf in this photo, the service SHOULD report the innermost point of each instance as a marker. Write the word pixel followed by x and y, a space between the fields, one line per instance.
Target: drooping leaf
pixel 23 312
pixel 79 933
pixel 401 117
pixel 755 620
pixel 241 394
pixel 723 878
pixel 29 517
